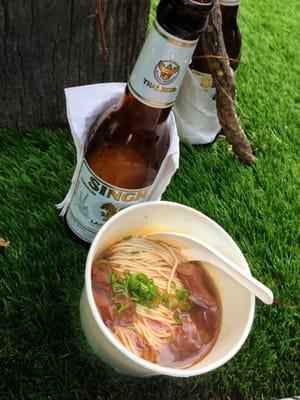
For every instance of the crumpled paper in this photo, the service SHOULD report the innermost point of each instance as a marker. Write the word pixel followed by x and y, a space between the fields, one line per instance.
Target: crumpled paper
pixel 195 112
pixel 84 104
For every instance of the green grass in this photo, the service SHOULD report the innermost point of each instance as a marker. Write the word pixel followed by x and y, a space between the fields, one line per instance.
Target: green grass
pixel 43 353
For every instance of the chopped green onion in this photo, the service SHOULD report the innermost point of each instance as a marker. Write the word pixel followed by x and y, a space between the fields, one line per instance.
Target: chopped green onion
pixel 176 317
pixel 172 302
pixel 127 237
pixel 182 294
pixel 123 307
pixel 141 289
pixel 184 305
pixel 113 278
pixel 183 299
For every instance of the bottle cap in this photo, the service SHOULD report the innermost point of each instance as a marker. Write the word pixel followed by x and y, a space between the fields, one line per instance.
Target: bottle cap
pixel 229 2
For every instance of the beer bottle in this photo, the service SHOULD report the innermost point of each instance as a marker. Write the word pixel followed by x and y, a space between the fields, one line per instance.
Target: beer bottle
pixel 232 38
pixel 201 76
pixel 129 141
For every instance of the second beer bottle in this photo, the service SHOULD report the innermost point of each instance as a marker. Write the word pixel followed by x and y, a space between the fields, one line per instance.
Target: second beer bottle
pixel 232 39
pixel 196 111
pixel 129 141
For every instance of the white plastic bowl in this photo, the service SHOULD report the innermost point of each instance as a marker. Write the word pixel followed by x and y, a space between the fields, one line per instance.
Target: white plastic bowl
pixel 238 305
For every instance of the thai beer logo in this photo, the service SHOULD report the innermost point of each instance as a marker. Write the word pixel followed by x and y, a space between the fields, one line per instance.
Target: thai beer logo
pixel 166 71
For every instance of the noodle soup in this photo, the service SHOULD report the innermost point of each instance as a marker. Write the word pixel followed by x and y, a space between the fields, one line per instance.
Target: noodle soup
pixel 159 305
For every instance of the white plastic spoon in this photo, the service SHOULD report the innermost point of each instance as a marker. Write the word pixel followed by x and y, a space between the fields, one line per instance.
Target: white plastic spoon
pixel 205 252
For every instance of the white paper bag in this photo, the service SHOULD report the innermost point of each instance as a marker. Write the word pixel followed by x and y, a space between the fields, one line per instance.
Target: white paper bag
pixel 195 110
pixel 84 104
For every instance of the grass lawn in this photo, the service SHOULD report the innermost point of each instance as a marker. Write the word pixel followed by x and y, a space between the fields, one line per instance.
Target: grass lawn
pixel 43 354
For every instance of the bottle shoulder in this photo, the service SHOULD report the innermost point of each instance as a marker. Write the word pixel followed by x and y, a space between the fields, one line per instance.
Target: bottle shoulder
pixel 130 113
pixel 127 145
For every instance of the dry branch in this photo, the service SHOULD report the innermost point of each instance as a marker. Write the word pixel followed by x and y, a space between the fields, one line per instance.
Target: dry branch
pixel 224 80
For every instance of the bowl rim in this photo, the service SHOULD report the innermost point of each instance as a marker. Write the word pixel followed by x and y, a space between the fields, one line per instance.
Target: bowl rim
pixel 156 368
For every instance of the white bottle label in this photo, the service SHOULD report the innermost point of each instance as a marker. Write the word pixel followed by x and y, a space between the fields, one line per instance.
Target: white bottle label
pixel 95 201
pixel 160 68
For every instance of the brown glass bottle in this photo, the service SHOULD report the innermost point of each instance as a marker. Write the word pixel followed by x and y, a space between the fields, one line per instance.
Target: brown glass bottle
pixel 195 111
pixel 232 38
pixel 129 141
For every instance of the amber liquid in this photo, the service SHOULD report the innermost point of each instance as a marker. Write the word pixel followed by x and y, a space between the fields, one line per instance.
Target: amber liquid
pixel 128 143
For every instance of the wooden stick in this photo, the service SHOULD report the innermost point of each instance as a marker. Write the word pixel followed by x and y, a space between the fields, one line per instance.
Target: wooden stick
pixel 224 80
pixel 221 57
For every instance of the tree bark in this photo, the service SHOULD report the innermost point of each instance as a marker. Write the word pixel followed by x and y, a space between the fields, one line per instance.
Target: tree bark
pixel 46 46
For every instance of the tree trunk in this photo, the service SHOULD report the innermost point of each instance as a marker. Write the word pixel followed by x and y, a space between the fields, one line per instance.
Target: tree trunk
pixel 46 46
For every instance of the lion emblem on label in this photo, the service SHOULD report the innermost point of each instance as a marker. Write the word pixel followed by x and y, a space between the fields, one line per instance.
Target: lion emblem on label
pixel 107 211
pixel 166 71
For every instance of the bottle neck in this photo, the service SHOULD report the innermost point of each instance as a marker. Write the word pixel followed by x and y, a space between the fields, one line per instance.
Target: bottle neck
pixel 229 14
pixel 145 117
pixel 186 19
pixel 229 9
pixel 160 68
pixel 229 3
pixel 231 34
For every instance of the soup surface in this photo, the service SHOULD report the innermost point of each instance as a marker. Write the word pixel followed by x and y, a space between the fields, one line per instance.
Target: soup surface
pixel 159 305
